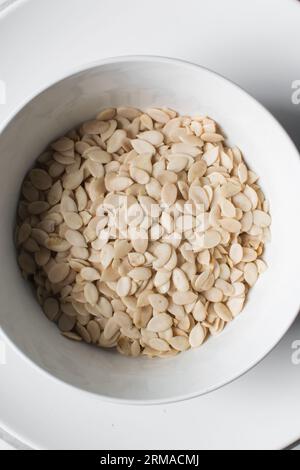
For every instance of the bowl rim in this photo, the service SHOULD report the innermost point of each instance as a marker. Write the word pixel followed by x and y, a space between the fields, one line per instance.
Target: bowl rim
pixel 181 63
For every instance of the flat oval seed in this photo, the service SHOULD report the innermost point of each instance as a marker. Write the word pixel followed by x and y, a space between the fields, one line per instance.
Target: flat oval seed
pixel 122 319
pixel 38 207
pixel 230 189
pixel 161 322
pixel 75 238
pixel 55 193
pixel 153 137
pixel 231 225
pixel 123 286
pixel 242 172
pixel 141 146
pixel 40 179
pixel 91 293
pixel 261 219
pixel 105 307
pixel 24 233
pixel 236 253
pixel 111 328
pixel 184 298
pixel 214 294
pixel 199 312
pixel 73 220
pixel 158 302
pixel 236 305
pixel 140 274
pixel 94 331
pixel 72 180
pixel 180 280
pixel 250 273
pixel 90 274
pixel 42 257
pixel 140 176
pixel 242 202
pixel 51 308
pixel 197 336
pixel 180 343
pixel 169 194
pixel 58 272
pixel 227 208
pixel 177 164
pixel 66 323
pixel 211 238
pixel 63 144
pixel 116 141
pixel 106 114
pixel 158 344
pixel 223 312
pixel 120 183
pixel 97 155
pixel 158 115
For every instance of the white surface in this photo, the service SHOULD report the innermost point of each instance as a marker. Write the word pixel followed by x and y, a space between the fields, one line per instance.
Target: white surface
pixel 5 446
pixel 144 82
pixel 261 410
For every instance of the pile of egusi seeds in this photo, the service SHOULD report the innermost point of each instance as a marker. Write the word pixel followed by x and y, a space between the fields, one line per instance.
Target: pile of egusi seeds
pixel 142 231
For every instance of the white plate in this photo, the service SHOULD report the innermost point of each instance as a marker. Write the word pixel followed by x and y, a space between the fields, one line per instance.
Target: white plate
pixel 248 413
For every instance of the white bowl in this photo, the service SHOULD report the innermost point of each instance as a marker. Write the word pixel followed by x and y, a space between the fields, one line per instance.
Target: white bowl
pixel 273 302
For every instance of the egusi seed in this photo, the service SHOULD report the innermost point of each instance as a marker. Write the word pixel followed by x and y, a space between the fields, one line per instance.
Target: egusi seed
pixel 142 231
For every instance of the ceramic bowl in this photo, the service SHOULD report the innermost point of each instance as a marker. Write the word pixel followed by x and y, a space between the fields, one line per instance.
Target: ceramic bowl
pixel 273 302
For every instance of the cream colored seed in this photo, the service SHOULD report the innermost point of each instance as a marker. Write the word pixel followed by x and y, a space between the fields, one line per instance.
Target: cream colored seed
pixel 196 336
pixel 169 194
pixel 73 220
pixel 261 219
pixel 184 298
pixel 158 115
pixel 231 225
pixel 106 114
pixel 153 137
pixel 158 302
pixel 159 344
pixel 73 180
pixel 115 142
pixel 142 146
pixel 180 343
pixel 140 274
pixel 180 280
pixel 124 286
pixel 90 274
pixel 75 238
pixel 58 272
pixel 236 253
pixel 111 328
pixel 91 293
pixel 223 312
pixel 161 322
pixel 250 273
pixel 214 294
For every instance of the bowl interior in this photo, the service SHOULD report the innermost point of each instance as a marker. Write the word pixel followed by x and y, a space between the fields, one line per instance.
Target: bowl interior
pixel 273 302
